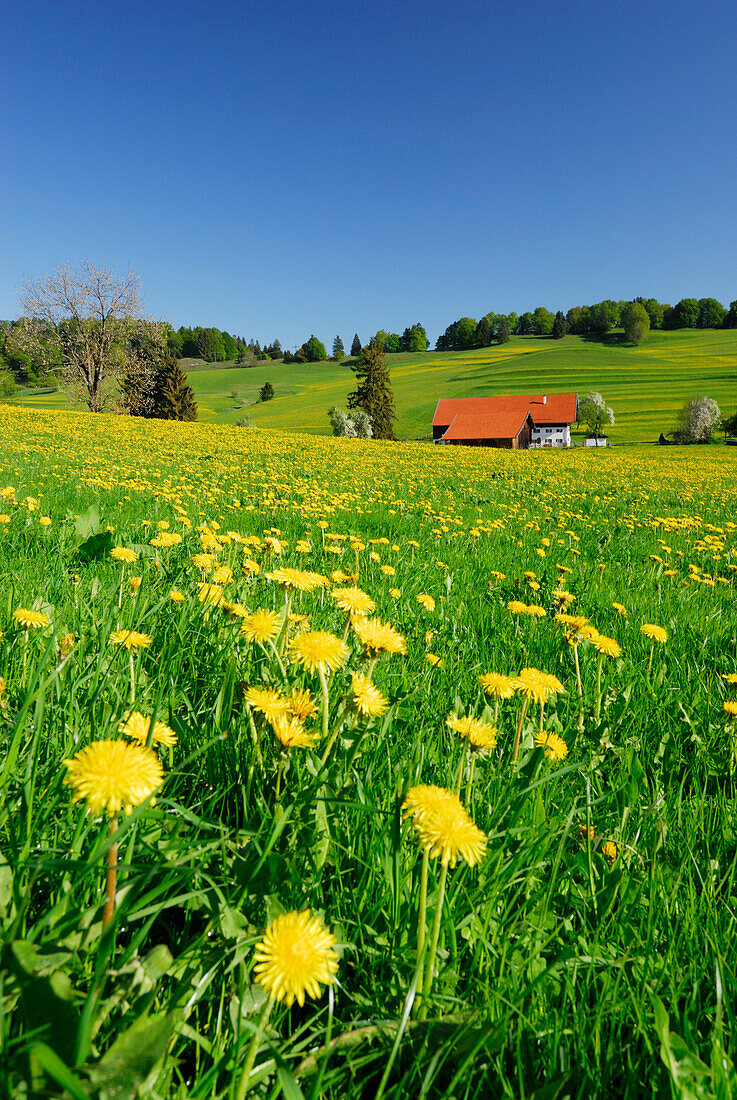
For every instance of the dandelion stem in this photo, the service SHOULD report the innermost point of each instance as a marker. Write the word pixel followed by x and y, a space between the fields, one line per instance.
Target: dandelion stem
pixel 325 700
pixel 133 677
pixel 120 593
pixel 515 750
pixel 650 662
pixel 422 917
pixel 598 687
pixel 580 688
pixel 242 1088
pixel 284 634
pixel 112 875
pixel 469 785
pixel 430 968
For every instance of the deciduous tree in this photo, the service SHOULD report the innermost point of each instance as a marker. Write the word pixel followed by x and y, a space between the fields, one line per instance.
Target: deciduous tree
pixel 89 318
pixel 635 322
pixel 698 420
pixel 594 413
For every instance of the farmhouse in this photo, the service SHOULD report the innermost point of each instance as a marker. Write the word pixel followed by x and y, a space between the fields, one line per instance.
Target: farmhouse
pixel 519 422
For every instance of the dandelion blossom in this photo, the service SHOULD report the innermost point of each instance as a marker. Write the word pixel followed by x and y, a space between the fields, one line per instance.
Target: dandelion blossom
pixel 272 704
pixel 426 601
pixel 113 775
pixel 292 734
pixel 31 619
pixel 124 555
pixel 130 639
pixel 318 649
pixel 554 746
pixel 261 625
pixel 480 735
pixel 443 827
pixel 353 601
pixel 137 727
pixel 494 683
pixel 608 646
pixel 301 705
pixel 367 699
pixel 730 707
pixel 654 632
pixel 296 579
pixel 377 637
pixel 295 958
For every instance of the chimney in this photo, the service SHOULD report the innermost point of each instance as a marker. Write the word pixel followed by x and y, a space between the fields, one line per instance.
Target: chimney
pixel 545 399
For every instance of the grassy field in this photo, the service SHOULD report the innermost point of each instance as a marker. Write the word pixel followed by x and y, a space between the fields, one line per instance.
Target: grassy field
pixel 521 886
pixel 646 386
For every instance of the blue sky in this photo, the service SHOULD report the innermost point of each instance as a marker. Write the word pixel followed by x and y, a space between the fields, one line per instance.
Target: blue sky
pixel 281 168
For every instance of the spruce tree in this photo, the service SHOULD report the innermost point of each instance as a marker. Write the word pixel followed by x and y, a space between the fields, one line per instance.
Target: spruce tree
pixel 356 346
pixel 338 348
pixel 374 391
pixel 559 326
pixel 174 397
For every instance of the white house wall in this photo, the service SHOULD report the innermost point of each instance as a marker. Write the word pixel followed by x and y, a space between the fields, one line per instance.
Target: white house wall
pixel 551 435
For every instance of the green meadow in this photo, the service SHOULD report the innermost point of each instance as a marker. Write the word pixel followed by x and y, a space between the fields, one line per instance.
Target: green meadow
pixel 646 385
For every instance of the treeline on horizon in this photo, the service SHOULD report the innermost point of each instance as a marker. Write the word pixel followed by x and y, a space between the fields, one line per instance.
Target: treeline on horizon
pixel 213 345
pixel 597 319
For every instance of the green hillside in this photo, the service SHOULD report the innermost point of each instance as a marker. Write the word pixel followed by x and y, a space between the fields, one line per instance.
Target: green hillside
pixel 645 385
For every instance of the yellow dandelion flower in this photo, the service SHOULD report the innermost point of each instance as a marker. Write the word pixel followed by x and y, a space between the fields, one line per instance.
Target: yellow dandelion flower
pixel 137 726
pixel 388 570
pixel 730 707
pixel 124 555
pixel 134 583
pixel 535 611
pixel 30 619
pixel 130 639
pixel 610 850
pixel 367 699
pixel 297 579
pixel 607 646
pixel 272 704
pixel 113 775
pixel 250 568
pixel 301 705
pixel 554 746
pixel 654 632
pixel 426 601
pixel 295 958
pixel 480 735
pixel 529 684
pixel 176 596
pixel 395 593
pixel 261 625
pixel 353 601
pixel 517 607
pixel 443 827
pixel 493 683
pixel 204 561
pixel 222 575
pixel 377 637
pixel 318 649
pixel 292 734
pixel 434 660
pixel 730 677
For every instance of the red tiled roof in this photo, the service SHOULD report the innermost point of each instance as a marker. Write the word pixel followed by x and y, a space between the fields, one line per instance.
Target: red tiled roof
pixel 473 425
pixel 501 416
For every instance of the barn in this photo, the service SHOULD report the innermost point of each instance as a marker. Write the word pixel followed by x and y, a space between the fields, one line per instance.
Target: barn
pixel 518 422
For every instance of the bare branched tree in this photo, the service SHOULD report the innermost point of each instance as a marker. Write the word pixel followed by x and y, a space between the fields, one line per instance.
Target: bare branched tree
pixel 91 320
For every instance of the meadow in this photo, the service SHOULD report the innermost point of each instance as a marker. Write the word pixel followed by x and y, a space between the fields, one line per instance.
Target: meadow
pixel 646 385
pixel 336 768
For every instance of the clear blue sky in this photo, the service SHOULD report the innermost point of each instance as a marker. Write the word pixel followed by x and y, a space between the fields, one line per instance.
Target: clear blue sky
pixel 277 167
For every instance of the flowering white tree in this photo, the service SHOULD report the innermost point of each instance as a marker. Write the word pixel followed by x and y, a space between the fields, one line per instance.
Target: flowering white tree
pixel 355 424
pixel 594 412
pixel 698 420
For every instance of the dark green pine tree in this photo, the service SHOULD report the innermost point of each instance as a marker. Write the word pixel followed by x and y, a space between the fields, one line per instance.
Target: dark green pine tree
pixel 374 391
pixel 174 396
pixel 356 346
pixel 338 348
pixel 559 326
